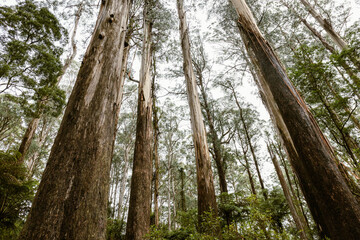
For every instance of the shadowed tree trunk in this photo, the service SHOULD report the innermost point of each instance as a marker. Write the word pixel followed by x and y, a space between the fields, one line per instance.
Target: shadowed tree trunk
pixel 205 184
pixel 138 224
pixel 71 202
pixel 312 157
pixel 156 148
pixel 182 193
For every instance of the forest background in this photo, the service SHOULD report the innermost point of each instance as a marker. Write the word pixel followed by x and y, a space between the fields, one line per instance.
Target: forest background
pixel 32 104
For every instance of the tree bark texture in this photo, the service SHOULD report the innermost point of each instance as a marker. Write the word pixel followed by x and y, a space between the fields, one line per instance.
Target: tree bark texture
pixel 138 224
pixel 329 198
pixel 205 184
pixel 300 223
pixel 71 202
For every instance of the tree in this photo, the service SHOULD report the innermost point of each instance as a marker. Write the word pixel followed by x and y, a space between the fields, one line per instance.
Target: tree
pixel 138 223
pixel 73 191
pixel 31 62
pixel 205 185
pixel 310 153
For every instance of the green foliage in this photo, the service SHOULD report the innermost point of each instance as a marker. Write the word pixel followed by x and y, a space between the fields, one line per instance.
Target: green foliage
pixel 16 194
pixel 30 57
pixel 115 229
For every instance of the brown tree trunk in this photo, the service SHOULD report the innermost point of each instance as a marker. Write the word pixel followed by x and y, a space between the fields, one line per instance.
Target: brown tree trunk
pixel 205 185
pixel 300 223
pixel 312 157
pixel 156 149
pixel 138 224
pixel 27 138
pixel 71 202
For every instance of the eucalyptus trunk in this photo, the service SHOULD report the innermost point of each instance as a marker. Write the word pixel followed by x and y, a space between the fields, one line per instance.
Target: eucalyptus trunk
pixel 299 222
pixel 138 223
pixel 71 201
pixel 326 25
pixel 205 184
pixel 312 157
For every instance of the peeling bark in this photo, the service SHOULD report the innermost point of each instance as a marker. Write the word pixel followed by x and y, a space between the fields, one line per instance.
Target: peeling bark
pixel 205 185
pixel 312 157
pixel 71 202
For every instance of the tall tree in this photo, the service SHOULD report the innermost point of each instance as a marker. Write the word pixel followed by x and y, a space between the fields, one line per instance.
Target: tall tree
pixel 200 65
pixel 326 25
pixel 138 223
pixel 205 184
pixel 71 202
pixel 300 222
pixel 311 155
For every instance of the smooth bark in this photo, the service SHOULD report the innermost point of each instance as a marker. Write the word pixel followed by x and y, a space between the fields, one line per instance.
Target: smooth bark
pixel 71 202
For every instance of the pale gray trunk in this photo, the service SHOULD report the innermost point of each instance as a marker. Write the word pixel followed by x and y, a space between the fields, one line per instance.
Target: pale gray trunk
pixel 325 23
pixel 123 180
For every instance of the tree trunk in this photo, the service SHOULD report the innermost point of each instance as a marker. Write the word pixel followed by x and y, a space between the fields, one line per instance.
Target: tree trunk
pixel 156 150
pixel 123 180
pixel 182 193
pixel 71 202
pixel 27 138
pixel 33 160
pixel 247 166
pixel 138 224
pixel 248 139
pixel 213 134
pixel 169 190
pixel 342 63
pixel 311 155
pixel 340 42
pixel 300 223
pixel 205 185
